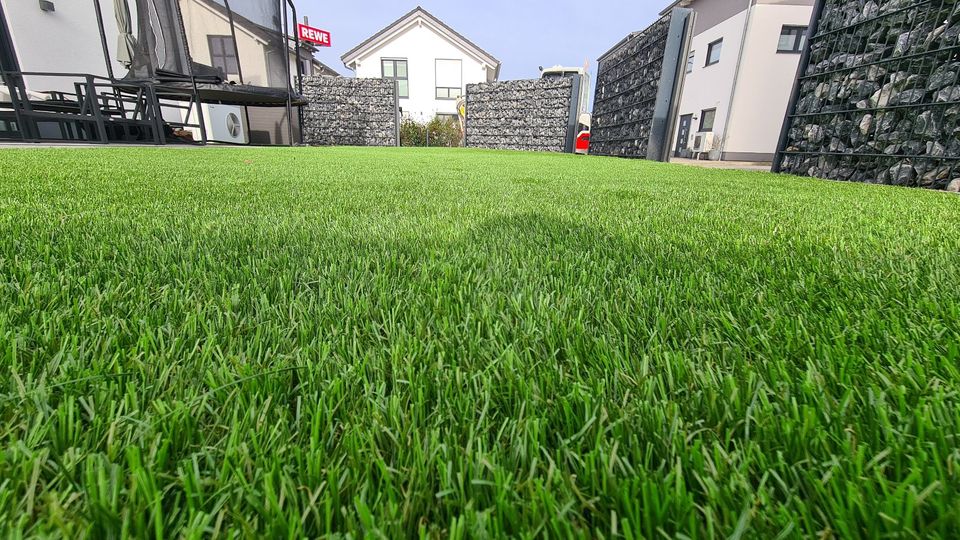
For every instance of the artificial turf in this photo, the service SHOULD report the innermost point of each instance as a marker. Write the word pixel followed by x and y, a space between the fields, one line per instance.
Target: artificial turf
pixel 452 343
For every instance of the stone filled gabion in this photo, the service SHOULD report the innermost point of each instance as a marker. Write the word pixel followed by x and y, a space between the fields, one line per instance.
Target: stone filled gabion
pixel 519 115
pixel 628 80
pixel 350 112
pixel 879 101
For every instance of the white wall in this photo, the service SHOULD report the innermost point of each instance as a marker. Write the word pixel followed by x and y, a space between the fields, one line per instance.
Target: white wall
pixel 766 81
pixel 421 46
pixel 65 40
pixel 709 87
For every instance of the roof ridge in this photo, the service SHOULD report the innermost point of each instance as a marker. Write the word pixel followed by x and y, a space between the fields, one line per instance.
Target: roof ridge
pixel 433 18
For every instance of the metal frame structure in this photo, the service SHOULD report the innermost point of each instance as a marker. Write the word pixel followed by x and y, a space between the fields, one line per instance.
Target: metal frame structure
pixel 107 109
pixel 830 38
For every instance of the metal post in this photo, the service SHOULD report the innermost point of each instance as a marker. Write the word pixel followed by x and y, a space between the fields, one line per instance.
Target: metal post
pixel 576 88
pixel 193 77
pixel 103 38
pixel 233 35
pixel 286 70
pixel 795 94
pixel 91 98
pixel 674 62
pixel 296 42
pixel 10 75
pixel 678 93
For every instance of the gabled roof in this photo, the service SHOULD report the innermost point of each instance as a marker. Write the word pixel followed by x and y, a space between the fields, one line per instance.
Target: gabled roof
pixel 402 22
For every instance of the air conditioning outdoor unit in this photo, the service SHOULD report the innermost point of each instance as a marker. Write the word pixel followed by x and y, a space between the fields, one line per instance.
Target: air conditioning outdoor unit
pixel 225 123
pixel 704 142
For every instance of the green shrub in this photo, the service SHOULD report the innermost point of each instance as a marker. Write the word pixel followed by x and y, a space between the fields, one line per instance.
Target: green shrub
pixel 412 133
pixel 443 131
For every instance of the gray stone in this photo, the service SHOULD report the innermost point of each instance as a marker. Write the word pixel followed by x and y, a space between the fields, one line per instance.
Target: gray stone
pixel 519 115
pixel 866 124
pixel 907 97
pixel 948 94
pixel 926 125
pixel 348 111
pixel 954 186
pixel 902 175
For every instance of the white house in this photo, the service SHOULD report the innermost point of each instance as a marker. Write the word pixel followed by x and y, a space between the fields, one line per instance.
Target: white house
pixel 430 61
pixel 740 72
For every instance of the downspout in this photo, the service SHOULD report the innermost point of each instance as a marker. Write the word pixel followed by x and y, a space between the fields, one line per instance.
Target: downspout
pixel 736 77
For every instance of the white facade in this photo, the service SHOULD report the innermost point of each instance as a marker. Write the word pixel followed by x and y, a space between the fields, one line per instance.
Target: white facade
pixel 65 40
pixel 439 63
pixel 749 87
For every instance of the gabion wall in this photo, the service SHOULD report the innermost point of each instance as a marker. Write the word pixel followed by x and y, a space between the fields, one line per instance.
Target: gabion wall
pixel 879 97
pixel 519 115
pixel 628 81
pixel 350 112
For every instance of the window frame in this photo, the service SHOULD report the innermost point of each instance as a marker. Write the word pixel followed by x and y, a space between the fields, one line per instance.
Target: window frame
pixel 710 49
pixel 395 77
pixel 448 89
pixel 437 87
pixel 713 121
pixel 228 52
pixel 691 61
pixel 799 40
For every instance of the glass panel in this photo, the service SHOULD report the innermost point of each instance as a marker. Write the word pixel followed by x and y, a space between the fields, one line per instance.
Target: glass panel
pixel 388 69
pixel 714 55
pixel 404 88
pixel 402 69
pixel 706 124
pixel 786 41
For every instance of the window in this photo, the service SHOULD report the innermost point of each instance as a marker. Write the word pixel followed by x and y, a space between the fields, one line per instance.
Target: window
pixel 305 67
pixel 792 39
pixel 690 60
pixel 397 70
pixel 707 118
pixel 449 79
pixel 713 52
pixel 448 93
pixel 223 54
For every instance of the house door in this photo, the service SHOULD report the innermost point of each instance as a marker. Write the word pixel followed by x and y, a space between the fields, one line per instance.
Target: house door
pixel 683 134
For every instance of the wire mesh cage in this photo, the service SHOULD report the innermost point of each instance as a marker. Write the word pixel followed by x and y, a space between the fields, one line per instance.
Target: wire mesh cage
pixel 637 85
pixel 878 95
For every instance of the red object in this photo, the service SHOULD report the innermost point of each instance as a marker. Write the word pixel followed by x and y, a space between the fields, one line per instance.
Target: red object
pixel 313 35
pixel 583 143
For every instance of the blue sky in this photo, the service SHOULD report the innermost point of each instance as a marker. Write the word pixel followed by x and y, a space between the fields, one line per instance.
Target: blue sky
pixel 521 34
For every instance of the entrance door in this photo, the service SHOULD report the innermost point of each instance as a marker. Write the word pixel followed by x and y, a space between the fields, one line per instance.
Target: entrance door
pixel 683 135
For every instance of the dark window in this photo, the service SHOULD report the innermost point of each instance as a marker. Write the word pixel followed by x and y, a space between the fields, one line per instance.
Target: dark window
pixel 713 52
pixel 690 60
pixel 397 70
pixel 706 119
pixel 792 39
pixel 223 54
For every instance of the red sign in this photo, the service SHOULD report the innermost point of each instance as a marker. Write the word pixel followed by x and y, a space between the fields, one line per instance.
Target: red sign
pixel 313 35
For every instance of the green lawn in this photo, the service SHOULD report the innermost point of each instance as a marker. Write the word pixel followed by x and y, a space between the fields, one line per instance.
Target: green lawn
pixel 447 343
